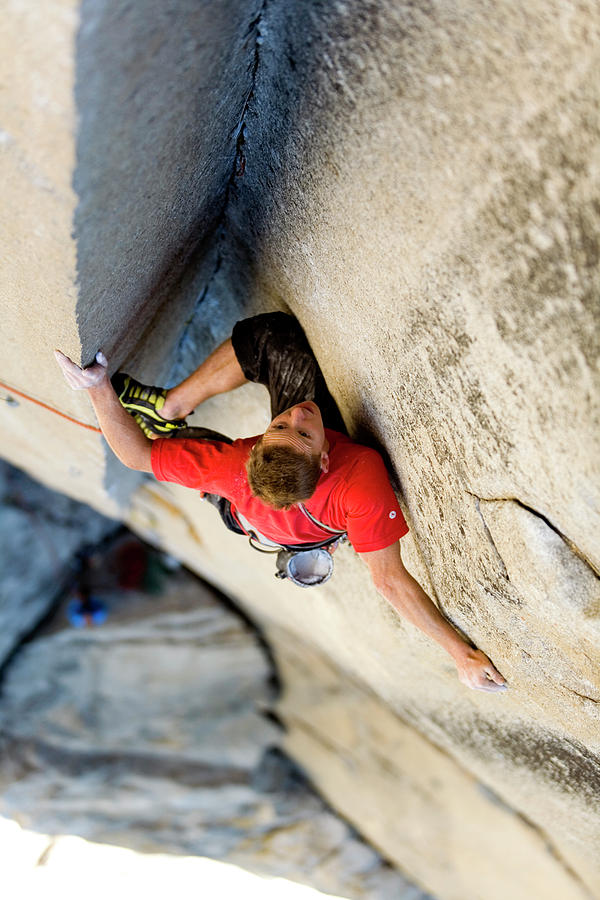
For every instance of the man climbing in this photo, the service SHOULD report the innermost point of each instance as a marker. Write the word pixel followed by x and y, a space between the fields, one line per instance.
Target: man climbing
pixel 296 485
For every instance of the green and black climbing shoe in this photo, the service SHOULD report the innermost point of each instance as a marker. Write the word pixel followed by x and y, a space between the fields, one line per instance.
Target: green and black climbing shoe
pixel 152 429
pixel 144 403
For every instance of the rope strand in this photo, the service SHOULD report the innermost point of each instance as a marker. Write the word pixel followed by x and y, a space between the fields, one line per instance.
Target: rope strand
pixel 57 412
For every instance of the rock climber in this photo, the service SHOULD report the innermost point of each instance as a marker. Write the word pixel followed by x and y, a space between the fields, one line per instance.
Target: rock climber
pixel 301 484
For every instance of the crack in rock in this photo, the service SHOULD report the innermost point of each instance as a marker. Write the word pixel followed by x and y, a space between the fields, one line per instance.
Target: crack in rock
pixel 534 512
pixel 237 170
pixel 490 538
pixel 565 687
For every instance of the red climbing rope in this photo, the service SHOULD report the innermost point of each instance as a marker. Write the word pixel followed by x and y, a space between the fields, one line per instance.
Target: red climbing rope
pixel 12 390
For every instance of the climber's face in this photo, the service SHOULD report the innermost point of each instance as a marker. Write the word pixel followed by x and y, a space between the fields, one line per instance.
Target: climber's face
pixel 299 427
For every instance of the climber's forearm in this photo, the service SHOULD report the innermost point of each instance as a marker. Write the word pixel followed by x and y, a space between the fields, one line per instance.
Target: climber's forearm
pixel 123 435
pixel 412 603
pixel 219 373
pixel 126 440
pixel 409 599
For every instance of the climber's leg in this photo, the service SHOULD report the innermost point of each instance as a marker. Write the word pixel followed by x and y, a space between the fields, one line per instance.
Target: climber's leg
pixel 160 412
pixel 220 372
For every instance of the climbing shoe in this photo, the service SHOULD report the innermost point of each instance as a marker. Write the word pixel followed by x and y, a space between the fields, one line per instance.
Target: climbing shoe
pixel 144 403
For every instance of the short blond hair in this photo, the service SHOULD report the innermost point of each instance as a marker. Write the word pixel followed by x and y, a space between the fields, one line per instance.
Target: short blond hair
pixel 281 476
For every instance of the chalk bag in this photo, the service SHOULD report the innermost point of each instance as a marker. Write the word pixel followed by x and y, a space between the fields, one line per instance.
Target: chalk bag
pixel 306 568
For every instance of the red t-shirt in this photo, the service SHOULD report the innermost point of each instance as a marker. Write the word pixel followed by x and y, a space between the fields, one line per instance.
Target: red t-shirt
pixel 355 495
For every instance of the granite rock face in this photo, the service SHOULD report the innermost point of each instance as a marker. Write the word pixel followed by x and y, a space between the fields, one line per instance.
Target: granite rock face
pixel 419 185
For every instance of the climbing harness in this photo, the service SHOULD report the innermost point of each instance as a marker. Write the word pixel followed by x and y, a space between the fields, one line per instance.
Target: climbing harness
pixel 307 565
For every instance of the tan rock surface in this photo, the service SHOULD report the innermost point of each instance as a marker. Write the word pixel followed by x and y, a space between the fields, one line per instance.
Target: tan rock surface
pixel 419 185
pixel 388 778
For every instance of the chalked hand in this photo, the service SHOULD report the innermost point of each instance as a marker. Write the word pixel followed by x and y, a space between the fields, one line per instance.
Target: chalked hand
pixel 477 672
pixel 82 379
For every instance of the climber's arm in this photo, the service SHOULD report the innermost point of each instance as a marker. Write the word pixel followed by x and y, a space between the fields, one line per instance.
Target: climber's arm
pixel 122 433
pixel 406 596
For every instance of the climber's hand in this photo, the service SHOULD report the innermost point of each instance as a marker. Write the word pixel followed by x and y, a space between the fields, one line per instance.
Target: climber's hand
pixel 477 672
pixel 81 379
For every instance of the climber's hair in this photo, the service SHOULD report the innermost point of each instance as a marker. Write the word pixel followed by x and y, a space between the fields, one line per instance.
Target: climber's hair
pixel 281 476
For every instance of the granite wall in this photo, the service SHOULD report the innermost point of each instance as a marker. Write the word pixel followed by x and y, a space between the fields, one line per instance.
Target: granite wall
pixel 418 183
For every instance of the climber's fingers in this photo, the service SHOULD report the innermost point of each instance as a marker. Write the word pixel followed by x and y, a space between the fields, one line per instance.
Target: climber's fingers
pixel 480 674
pixel 81 379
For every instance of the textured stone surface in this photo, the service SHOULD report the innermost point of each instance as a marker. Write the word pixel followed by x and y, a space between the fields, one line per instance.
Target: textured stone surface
pixel 429 211
pixel 38 292
pixel 118 139
pixel 419 185
pixel 160 90
pixel 388 777
pixel 532 753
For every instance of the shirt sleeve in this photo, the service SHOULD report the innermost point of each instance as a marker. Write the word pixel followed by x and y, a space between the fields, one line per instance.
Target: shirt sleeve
pixel 210 466
pixel 374 519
